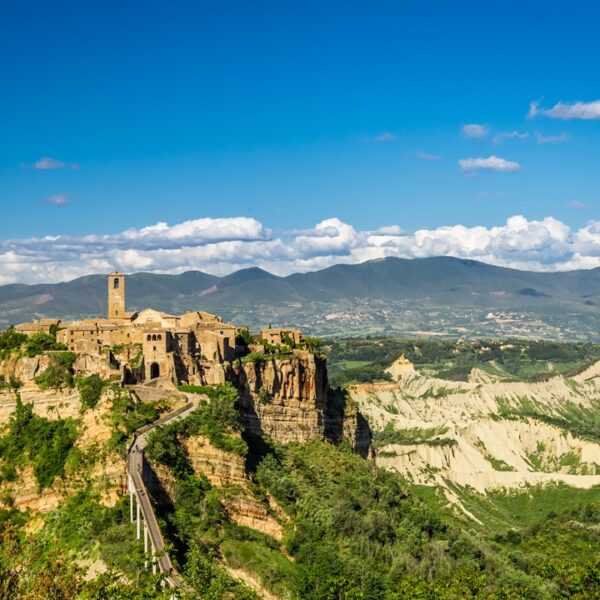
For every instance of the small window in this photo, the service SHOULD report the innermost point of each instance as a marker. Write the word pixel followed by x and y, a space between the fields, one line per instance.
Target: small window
pixel 159 337
pixel 154 348
pixel 116 283
pixel 149 338
pixel 154 338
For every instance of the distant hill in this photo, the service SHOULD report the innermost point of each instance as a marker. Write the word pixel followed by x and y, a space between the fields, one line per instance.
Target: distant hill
pixel 441 281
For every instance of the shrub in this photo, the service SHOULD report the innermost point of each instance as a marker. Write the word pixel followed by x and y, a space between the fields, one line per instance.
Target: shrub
pixel 313 343
pixel 11 340
pixel 244 337
pixel 90 389
pixel 41 342
pixel 59 372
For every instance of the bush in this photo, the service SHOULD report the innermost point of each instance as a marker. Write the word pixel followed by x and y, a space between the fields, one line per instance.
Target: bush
pixel 90 388
pixel 11 340
pixel 244 337
pixel 41 342
pixel 59 372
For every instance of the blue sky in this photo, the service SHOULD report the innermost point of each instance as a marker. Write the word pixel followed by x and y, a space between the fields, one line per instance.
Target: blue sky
pixel 292 113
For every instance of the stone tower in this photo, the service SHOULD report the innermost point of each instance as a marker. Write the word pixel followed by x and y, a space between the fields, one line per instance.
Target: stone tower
pixel 116 295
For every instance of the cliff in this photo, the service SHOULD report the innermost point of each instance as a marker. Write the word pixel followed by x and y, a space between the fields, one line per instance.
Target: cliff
pixel 286 398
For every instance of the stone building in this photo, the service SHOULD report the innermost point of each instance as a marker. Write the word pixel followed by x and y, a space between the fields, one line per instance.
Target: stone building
pixel 164 345
pixel 280 336
pixel 43 325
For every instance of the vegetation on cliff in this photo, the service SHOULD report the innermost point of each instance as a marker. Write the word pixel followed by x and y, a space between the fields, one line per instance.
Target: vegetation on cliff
pixel 34 345
pixel 59 372
pixel 45 444
pixel 90 388
pixel 218 419
pixel 356 531
pixel 351 530
pixel 126 416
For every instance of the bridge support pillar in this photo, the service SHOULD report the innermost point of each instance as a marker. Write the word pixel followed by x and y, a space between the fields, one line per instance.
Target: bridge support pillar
pixel 138 519
pixel 130 499
pixel 145 546
pixel 153 562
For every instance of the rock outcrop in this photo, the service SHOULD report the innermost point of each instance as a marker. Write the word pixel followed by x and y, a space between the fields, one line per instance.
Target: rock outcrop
pixel 246 510
pixel 286 398
pixel 23 368
pixel 220 467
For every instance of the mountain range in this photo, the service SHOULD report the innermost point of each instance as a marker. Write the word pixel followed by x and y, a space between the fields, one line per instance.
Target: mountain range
pixel 416 283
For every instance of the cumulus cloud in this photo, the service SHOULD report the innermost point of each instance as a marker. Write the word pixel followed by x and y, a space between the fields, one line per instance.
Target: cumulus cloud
pixel 491 163
pixel 567 111
pixel 386 136
pixel 221 246
pixel 474 131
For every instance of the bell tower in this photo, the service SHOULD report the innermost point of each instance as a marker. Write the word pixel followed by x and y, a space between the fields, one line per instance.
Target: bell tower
pixel 116 295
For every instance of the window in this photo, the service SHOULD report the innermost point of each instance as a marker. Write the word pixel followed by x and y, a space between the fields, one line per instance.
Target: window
pixel 149 337
pixel 116 283
pixel 154 348
pixel 154 338
pixel 159 337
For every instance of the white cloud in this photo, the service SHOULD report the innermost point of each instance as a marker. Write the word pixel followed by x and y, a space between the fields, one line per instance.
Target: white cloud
pixel 221 246
pixel 551 139
pixel 46 163
pixel 427 156
pixel 510 135
pixel 576 204
pixel 58 199
pixel 386 136
pixel 567 111
pixel 475 131
pixel 492 163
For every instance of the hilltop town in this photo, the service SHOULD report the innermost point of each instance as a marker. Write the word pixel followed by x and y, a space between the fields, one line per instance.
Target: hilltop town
pixel 152 345
pixel 279 374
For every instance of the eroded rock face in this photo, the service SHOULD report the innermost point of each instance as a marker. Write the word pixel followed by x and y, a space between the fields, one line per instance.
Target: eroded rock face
pixel 23 368
pixel 246 510
pixel 220 467
pixel 284 399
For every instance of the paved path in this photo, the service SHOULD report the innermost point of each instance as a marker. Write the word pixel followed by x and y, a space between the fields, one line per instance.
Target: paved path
pixel 135 469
